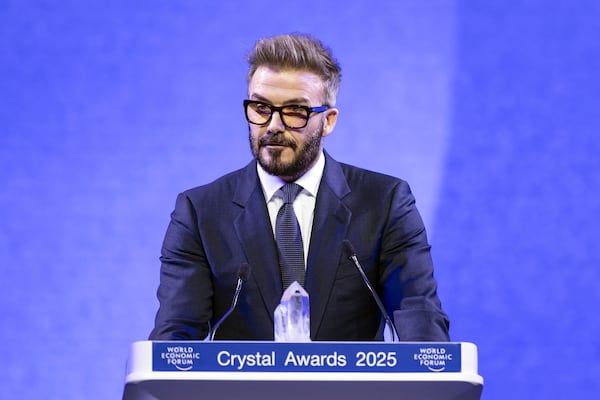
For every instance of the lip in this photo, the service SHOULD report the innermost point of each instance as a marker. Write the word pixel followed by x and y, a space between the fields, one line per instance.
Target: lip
pixel 274 145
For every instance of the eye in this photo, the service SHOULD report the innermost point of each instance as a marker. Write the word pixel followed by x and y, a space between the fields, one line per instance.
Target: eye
pixel 295 111
pixel 262 108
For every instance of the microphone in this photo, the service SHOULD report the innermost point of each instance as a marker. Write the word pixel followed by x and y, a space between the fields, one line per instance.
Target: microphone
pixel 243 274
pixel 350 249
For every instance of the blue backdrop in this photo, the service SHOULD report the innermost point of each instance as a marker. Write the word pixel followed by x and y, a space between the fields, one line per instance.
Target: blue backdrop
pixel 489 109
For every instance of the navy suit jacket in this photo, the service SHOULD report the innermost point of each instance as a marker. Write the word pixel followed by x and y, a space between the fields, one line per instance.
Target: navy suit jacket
pixel 217 227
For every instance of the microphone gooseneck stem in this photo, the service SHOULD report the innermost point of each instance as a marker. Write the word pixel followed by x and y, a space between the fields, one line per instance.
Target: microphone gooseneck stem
pixel 242 277
pixel 236 295
pixel 382 309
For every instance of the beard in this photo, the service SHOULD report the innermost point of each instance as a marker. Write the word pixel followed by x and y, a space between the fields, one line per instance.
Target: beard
pixel 304 157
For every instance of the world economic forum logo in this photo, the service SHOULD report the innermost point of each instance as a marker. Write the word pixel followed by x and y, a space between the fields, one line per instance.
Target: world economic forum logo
pixel 433 358
pixel 180 357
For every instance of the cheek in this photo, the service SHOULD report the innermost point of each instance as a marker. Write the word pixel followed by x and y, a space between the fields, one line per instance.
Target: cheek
pixel 300 141
pixel 254 134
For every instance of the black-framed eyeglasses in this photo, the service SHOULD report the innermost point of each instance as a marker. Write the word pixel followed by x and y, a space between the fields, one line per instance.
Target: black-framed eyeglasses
pixel 293 116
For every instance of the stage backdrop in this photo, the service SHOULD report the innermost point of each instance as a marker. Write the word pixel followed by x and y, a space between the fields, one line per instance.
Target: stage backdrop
pixel 108 109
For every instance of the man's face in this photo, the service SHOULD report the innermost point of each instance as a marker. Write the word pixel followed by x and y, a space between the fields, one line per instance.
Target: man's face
pixel 281 151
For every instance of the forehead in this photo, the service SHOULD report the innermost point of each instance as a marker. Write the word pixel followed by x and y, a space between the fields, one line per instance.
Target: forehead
pixel 281 85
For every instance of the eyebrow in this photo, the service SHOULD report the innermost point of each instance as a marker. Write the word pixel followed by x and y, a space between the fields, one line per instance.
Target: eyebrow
pixel 298 100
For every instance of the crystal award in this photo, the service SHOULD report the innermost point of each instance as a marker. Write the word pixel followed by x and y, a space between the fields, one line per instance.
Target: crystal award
pixel 292 315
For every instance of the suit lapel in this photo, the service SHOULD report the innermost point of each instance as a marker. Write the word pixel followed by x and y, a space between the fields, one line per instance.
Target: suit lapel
pixel 330 226
pixel 255 234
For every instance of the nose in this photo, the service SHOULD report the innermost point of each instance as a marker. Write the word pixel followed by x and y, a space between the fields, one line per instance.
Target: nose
pixel 276 124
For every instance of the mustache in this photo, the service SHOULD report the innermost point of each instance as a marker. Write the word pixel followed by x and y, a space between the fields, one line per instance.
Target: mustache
pixel 278 140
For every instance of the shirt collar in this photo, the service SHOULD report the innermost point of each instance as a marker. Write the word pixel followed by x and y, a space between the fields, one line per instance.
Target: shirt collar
pixel 309 181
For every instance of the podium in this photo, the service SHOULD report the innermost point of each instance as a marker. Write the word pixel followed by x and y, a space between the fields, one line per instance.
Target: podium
pixel 223 370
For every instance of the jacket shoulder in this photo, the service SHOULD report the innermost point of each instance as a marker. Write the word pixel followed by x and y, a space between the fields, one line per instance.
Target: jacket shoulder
pixel 226 184
pixel 367 180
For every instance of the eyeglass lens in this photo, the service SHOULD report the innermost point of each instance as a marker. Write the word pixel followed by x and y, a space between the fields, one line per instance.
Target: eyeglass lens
pixel 292 116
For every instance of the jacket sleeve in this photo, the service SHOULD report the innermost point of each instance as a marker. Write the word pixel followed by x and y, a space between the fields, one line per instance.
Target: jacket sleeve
pixel 406 272
pixel 185 290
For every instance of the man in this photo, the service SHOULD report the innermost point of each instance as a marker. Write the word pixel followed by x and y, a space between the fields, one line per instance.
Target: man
pixel 292 87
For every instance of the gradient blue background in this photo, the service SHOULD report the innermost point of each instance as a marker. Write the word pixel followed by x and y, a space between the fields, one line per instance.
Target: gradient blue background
pixel 489 109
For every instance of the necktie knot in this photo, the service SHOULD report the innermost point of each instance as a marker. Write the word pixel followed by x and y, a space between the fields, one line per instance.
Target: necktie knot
pixel 290 192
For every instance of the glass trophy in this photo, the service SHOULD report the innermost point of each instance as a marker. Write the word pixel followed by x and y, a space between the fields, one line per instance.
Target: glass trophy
pixel 292 315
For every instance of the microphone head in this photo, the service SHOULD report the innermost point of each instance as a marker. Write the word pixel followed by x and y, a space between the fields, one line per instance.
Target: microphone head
pixel 348 248
pixel 244 272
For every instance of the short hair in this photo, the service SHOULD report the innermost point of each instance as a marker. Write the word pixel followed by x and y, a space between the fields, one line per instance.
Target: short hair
pixel 298 52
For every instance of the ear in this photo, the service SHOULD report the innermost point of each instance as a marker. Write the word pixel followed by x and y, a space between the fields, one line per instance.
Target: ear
pixel 330 121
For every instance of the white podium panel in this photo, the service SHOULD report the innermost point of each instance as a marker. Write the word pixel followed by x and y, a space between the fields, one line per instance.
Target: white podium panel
pixel 308 371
